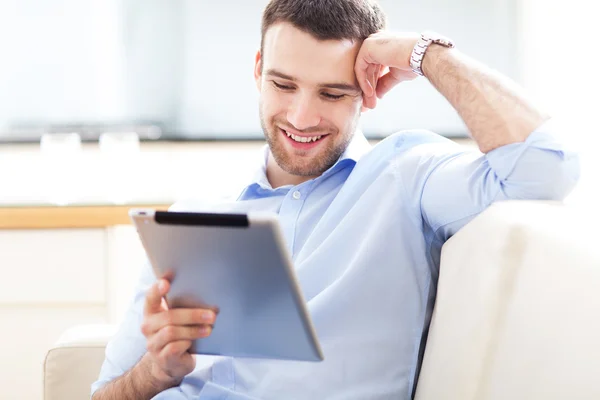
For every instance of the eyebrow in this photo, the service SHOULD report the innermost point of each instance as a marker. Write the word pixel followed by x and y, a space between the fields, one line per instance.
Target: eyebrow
pixel 337 85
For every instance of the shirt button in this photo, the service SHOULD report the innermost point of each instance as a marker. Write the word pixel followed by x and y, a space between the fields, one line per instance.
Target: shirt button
pixel 296 195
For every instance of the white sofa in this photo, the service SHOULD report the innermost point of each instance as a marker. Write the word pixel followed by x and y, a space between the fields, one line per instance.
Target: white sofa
pixel 517 314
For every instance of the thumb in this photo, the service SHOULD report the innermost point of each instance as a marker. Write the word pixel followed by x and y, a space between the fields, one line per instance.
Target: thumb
pixel 154 296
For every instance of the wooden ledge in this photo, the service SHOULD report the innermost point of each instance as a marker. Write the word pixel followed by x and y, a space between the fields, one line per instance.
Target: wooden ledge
pixel 68 216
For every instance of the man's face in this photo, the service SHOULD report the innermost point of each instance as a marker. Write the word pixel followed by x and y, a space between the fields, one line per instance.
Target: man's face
pixel 310 102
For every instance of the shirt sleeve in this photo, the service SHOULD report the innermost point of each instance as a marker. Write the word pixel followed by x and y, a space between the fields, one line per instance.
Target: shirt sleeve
pixel 128 345
pixel 453 185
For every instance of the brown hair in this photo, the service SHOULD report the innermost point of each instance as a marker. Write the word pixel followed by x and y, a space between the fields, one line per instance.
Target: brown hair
pixel 326 19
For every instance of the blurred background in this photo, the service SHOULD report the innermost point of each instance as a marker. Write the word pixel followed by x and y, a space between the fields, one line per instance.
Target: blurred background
pixel 111 104
pixel 180 69
pixel 180 72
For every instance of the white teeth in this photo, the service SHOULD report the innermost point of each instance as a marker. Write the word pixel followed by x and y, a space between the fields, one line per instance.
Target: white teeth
pixel 302 139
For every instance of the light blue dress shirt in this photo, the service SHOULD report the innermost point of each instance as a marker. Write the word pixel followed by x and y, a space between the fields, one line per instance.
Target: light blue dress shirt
pixel 365 238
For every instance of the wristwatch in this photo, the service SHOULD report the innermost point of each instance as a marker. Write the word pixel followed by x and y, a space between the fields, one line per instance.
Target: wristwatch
pixel 427 38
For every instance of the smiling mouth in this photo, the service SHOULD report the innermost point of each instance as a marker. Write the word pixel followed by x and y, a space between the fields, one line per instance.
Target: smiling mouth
pixel 302 139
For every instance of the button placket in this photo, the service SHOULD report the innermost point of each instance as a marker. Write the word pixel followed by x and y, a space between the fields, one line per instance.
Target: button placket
pixel 290 211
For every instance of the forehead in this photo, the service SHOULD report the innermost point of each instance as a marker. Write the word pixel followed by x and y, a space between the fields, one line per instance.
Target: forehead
pixel 297 53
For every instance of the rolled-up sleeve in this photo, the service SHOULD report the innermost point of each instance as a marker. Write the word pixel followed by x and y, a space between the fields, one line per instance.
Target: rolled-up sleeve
pixel 456 184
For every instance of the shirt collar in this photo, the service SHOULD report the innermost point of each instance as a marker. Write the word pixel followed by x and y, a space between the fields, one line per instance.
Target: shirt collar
pixel 359 146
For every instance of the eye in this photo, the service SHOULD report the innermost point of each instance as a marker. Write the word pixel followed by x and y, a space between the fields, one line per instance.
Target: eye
pixel 332 96
pixel 280 86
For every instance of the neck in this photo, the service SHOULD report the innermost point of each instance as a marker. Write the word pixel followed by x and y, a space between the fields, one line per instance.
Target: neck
pixel 278 177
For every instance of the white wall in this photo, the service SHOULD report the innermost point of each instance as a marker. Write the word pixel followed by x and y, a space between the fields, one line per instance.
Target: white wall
pixel 219 94
pixel 560 64
pixel 61 60
pixel 188 63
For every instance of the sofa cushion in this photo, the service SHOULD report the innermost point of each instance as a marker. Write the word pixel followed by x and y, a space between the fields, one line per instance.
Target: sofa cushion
pixel 73 364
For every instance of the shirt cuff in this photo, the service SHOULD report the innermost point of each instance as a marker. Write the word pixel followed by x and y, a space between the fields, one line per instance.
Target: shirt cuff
pixel 504 158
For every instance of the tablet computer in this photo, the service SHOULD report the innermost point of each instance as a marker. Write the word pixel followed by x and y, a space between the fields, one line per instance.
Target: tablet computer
pixel 239 265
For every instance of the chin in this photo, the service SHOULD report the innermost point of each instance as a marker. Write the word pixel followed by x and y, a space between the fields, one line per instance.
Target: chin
pixel 292 165
pixel 305 163
pixel 299 165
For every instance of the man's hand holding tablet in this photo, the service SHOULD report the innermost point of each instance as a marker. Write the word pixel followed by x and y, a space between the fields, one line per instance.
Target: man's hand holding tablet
pixel 170 333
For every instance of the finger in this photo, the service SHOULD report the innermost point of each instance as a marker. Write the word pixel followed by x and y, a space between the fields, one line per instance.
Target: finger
pixel 385 84
pixel 372 74
pixel 374 71
pixel 391 79
pixel 174 350
pixel 369 99
pixel 377 72
pixel 360 70
pixel 154 296
pixel 171 333
pixel 177 317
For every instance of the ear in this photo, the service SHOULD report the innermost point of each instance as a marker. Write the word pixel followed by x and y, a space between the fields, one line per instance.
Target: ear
pixel 258 70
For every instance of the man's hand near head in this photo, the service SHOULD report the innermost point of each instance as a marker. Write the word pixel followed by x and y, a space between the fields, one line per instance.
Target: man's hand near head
pixel 169 335
pixel 494 109
pixel 383 61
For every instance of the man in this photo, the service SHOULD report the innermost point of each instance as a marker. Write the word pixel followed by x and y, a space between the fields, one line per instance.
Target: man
pixel 364 225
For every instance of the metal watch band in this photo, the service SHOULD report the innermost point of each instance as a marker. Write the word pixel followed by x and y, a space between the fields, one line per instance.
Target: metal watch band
pixel 418 53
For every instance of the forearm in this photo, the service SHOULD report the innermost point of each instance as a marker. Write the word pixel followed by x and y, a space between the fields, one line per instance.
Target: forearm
pixel 137 383
pixel 491 105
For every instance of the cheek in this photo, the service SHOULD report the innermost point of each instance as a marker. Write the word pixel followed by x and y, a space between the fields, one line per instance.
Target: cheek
pixel 272 103
pixel 345 116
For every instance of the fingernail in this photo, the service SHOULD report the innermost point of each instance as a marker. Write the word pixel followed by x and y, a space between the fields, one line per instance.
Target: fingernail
pixel 204 330
pixel 207 316
pixel 162 285
pixel 371 89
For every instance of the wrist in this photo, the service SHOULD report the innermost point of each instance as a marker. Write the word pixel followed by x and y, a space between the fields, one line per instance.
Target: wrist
pixel 426 45
pixel 434 54
pixel 405 49
pixel 155 376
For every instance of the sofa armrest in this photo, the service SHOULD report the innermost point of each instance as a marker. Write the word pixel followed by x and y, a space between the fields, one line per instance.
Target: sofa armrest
pixel 517 314
pixel 73 363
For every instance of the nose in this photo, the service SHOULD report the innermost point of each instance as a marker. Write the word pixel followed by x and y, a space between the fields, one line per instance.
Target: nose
pixel 303 112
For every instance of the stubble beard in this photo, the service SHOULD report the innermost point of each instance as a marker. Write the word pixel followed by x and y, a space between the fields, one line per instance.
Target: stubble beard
pixel 300 164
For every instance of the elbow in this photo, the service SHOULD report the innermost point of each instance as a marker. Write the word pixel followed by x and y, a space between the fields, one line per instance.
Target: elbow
pixel 554 182
pixel 568 173
pixel 564 179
